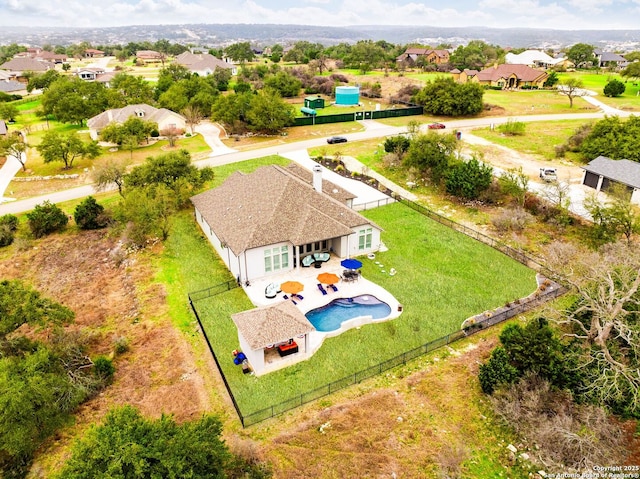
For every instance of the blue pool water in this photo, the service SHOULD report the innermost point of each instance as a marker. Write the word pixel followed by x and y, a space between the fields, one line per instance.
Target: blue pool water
pixel 330 316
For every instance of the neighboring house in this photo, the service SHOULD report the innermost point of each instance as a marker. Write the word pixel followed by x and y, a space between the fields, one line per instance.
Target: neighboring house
pixel 464 75
pixel 604 59
pixel 537 59
pixel 204 64
pixel 149 56
pixel 93 53
pixel 89 73
pixel 165 119
pixel 263 223
pixel 17 67
pixel 506 76
pixel 428 55
pixel 603 172
pixel 42 55
pixel 12 87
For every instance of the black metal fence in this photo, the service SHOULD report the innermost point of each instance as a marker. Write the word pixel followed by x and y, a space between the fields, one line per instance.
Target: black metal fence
pixel 551 291
pixel 357 115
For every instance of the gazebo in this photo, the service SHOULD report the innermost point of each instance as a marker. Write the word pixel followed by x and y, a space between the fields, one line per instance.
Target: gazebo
pixel 274 336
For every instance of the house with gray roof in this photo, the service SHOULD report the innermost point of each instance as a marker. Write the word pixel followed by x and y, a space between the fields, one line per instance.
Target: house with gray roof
pixel 263 223
pixel 165 119
pixel 12 86
pixel 603 172
pixel 204 64
pixel 17 67
pixel 604 59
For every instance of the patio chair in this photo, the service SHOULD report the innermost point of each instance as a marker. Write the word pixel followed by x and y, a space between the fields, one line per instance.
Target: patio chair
pixel 284 296
pixel 299 296
pixel 334 288
pixel 322 290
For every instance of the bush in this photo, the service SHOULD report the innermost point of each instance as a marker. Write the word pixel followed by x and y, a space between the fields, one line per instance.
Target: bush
pixel 89 215
pixel 513 219
pixel 46 218
pixel 468 179
pixel 6 235
pixel 614 88
pixel 120 345
pixel 512 128
pixel 497 371
pixel 103 368
pixel 11 221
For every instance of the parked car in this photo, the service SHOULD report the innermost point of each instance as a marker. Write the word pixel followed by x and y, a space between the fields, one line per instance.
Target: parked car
pixel 336 139
pixel 436 126
pixel 549 174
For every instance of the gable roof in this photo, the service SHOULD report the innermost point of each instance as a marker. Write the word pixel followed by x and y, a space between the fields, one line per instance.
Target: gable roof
pixel 201 61
pixel 611 57
pixel 271 324
pixel 328 188
pixel 120 115
pixel 26 65
pixel 270 206
pixel 622 171
pixel 522 72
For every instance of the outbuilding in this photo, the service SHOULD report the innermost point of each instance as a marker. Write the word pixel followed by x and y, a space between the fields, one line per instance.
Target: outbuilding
pixel 602 173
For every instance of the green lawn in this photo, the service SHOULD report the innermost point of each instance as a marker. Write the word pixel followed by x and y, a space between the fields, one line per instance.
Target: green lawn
pixel 443 278
pixel 596 81
pixel 540 138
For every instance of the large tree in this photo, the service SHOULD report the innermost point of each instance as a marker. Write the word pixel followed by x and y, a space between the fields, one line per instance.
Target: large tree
pixel 43 80
pixel 133 127
pixel 127 89
pixel 572 87
pixel 67 148
pixel 476 55
pixel 268 113
pixel 444 96
pixel 365 55
pixel 240 52
pixel 604 320
pixel 632 70
pixel 614 138
pixel 581 54
pixel 72 100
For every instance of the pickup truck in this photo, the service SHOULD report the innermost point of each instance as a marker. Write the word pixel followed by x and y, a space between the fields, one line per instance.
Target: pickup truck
pixel 549 174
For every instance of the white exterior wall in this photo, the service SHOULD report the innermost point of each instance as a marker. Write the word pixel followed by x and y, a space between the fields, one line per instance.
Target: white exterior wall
pixel 255 357
pixel 178 121
pixel 255 262
pixel 635 196
pixel 227 256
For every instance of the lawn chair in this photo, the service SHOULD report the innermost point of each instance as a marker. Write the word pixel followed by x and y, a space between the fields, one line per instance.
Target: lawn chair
pixel 334 288
pixel 299 296
pixel 322 290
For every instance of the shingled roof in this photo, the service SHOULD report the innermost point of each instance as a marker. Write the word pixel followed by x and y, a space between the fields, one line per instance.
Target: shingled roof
pixel 522 72
pixel 120 115
pixel 328 187
pixel 26 65
pixel 626 172
pixel 272 205
pixel 201 61
pixel 271 324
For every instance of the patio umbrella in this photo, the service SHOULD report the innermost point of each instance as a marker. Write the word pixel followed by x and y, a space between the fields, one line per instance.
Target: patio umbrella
pixel 328 278
pixel 292 287
pixel 351 263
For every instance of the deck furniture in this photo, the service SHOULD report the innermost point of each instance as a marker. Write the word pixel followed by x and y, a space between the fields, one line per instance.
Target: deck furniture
pixel 287 349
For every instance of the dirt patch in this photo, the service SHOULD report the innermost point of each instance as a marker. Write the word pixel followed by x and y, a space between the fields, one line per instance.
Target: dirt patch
pixel 159 374
pixel 401 429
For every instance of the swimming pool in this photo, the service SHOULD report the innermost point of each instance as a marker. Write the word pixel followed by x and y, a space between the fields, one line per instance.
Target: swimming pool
pixel 331 316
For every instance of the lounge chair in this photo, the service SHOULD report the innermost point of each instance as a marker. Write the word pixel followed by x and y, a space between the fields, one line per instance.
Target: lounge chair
pixel 322 290
pixel 293 301
pixel 299 296
pixel 334 288
pixel 284 296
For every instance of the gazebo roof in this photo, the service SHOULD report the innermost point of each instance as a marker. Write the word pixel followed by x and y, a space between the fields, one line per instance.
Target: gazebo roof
pixel 271 324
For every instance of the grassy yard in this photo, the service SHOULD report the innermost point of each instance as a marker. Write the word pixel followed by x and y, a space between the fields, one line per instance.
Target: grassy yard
pixel 596 81
pixel 442 280
pixel 533 102
pixel 540 138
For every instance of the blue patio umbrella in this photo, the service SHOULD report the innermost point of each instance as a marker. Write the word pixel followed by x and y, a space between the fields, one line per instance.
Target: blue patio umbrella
pixel 351 263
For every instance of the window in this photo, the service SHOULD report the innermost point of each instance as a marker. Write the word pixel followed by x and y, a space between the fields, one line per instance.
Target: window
pixel 276 259
pixel 365 238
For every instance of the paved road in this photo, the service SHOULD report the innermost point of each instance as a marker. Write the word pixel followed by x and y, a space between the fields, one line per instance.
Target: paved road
pixel 221 156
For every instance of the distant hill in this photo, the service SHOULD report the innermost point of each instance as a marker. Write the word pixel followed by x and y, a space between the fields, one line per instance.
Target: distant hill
pixel 213 35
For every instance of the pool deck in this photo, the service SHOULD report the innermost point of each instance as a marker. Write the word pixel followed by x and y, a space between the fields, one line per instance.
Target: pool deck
pixel 313 297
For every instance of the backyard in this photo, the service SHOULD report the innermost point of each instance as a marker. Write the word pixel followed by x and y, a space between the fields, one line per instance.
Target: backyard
pixel 441 281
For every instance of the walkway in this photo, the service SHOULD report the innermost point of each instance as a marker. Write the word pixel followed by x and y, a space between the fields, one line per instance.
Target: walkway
pixel 7 172
pixel 211 134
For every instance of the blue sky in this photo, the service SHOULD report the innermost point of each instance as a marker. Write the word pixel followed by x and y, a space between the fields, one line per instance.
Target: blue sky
pixel 569 15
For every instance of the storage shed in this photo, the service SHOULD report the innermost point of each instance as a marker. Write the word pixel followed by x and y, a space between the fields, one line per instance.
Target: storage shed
pixel 347 95
pixel 314 102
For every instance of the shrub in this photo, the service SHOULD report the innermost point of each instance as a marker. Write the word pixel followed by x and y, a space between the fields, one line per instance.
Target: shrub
pixel 513 128
pixel 11 221
pixel 512 219
pixel 6 235
pixel 614 88
pixel 496 371
pixel 103 368
pixel 46 218
pixel 120 345
pixel 89 214
pixel 468 179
